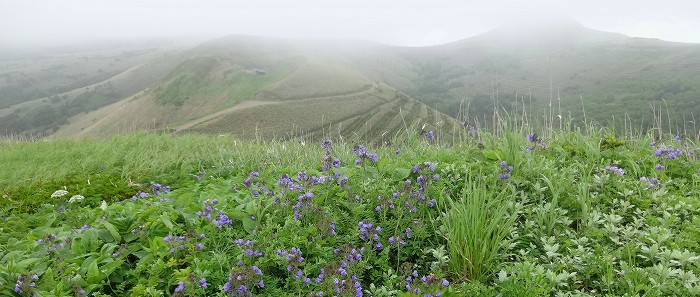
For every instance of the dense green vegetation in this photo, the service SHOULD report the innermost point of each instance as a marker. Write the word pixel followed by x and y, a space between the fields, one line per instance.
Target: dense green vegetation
pixel 507 215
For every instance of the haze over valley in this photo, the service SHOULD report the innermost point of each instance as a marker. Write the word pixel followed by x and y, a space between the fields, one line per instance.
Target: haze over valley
pixel 541 70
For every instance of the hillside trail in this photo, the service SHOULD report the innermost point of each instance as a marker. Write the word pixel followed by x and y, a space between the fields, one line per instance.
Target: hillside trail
pixel 253 103
pixel 239 106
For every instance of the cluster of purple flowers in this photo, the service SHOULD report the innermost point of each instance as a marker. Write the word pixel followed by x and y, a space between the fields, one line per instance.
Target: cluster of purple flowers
pixel 25 284
pixel 386 203
pixel 332 228
pixel 327 145
pixel 659 167
pixel 179 290
pixel 178 243
pixel 505 171
pixel 651 182
pixel 208 208
pixel 321 275
pixel 304 200
pixel 159 189
pixel 287 184
pixel 427 282
pixel 47 239
pixel 220 220
pixel 399 239
pixel 180 287
pixel 344 282
pixel 156 189
pixel 248 182
pixel 534 140
pixel 328 160
pixel 175 242
pixel 140 194
pixel 259 189
pixel 294 259
pixel 342 180
pixel 301 181
pixel 362 154
pixel 343 285
pixel 421 166
pixel 246 245
pixel 429 135
pixel 370 233
pixel 426 174
pixel 670 153
pixel 615 170
pixel 52 242
pixel 242 279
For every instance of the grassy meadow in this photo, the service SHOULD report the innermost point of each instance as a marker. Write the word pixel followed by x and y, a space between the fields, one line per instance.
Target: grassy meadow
pixel 518 214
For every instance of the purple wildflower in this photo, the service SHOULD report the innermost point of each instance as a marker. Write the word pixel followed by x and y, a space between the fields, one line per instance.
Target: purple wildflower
pixel 616 170
pixel 332 226
pixel 180 287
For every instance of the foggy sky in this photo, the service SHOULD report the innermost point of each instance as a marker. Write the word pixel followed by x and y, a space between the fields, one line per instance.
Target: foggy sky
pixel 404 22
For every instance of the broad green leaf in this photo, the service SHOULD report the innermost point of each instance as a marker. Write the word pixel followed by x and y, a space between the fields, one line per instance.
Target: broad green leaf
pixel 111 267
pixel 77 247
pixel 89 239
pixel 86 264
pixel 401 174
pixel 93 274
pixel 166 220
pixel 248 224
pixel 24 264
pixel 493 155
pixel 112 230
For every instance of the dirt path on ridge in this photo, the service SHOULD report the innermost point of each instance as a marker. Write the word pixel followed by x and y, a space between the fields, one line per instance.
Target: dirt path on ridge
pixel 239 106
pixel 254 103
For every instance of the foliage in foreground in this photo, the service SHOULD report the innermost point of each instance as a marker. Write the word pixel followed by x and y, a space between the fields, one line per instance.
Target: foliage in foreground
pixel 577 215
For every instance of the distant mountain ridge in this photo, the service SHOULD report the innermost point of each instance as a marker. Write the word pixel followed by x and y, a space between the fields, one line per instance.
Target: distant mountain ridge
pixel 536 72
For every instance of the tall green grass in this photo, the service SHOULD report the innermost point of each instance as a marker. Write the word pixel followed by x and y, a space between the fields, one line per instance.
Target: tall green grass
pixel 477 223
pixel 109 168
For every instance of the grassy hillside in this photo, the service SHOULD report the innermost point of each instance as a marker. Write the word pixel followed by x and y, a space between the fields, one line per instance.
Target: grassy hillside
pixel 45 116
pixel 517 215
pixel 268 88
pixel 37 77
pixel 551 74
pixel 371 115
pixel 606 75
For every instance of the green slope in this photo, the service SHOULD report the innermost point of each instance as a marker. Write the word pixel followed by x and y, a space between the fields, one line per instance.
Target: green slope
pixel 256 87
pixel 609 75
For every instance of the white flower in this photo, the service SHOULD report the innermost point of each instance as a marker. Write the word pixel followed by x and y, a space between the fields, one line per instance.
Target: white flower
pixel 76 198
pixel 59 193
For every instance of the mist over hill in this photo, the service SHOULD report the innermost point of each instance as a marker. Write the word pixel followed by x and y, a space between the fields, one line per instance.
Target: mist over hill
pixel 550 73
